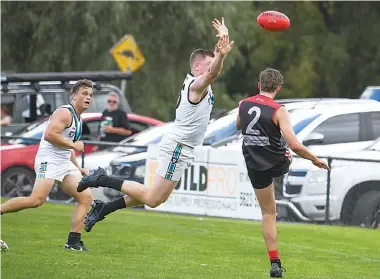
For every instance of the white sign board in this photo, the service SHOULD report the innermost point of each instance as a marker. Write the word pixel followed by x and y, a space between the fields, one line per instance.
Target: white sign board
pixel 216 184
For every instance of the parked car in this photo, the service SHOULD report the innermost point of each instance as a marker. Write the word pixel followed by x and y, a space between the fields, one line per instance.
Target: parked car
pixel 225 126
pixel 17 164
pixel 328 128
pixel 219 133
pixel 134 144
pixel 219 130
pixel 372 93
pixel 51 91
pixel 354 189
pixel 343 129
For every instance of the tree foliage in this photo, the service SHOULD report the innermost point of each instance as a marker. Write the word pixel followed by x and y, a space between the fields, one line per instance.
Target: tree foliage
pixel 331 50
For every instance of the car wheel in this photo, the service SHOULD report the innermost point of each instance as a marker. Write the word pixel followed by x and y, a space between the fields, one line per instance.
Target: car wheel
pixel 367 209
pixel 17 182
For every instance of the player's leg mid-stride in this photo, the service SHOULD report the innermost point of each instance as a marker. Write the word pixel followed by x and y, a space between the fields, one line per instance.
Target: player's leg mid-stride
pixel 167 176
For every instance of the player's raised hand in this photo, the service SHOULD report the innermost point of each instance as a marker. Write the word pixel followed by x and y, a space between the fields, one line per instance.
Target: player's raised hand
pixel 220 28
pixel 78 146
pixel 224 45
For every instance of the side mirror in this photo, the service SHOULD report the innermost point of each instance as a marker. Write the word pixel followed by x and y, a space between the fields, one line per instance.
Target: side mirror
pixel 313 139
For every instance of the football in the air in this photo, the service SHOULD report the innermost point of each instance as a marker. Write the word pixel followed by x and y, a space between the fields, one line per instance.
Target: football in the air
pixel 273 21
pixel 4 246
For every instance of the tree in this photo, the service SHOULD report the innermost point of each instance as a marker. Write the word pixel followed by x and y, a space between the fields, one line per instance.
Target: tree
pixel 332 48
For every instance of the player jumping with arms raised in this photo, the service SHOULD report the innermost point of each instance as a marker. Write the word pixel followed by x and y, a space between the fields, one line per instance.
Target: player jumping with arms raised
pixel 263 122
pixel 176 153
pixel 56 161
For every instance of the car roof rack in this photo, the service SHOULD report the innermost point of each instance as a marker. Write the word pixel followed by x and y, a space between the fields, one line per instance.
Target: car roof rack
pixel 65 76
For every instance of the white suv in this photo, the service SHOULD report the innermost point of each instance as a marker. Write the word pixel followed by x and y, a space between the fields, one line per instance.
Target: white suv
pixel 335 127
pixel 354 188
pixel 344 129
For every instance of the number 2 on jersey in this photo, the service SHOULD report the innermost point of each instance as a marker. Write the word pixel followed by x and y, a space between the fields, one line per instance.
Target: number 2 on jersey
pixel 250 130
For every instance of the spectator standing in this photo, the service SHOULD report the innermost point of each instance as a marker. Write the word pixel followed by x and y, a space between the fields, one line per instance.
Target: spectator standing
pixel 114 125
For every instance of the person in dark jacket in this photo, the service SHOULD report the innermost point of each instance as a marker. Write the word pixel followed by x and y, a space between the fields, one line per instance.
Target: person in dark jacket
pixel 114 125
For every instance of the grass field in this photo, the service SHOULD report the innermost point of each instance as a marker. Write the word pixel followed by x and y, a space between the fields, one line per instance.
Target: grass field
pixel 141 244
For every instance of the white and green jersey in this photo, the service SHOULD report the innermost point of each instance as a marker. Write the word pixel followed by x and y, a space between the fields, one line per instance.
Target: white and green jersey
pixel 72 132
pixel 191 118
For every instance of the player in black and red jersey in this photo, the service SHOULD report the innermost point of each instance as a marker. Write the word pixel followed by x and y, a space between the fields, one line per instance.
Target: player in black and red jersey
pixel 264 124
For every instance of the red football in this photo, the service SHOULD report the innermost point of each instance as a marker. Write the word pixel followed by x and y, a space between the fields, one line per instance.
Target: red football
pixel 273 21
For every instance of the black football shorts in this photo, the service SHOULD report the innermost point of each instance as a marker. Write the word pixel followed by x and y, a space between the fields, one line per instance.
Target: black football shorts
pixel 262 179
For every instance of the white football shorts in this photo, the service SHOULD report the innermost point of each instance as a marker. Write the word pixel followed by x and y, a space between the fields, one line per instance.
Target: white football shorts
pixel 173 159
pixel 54 169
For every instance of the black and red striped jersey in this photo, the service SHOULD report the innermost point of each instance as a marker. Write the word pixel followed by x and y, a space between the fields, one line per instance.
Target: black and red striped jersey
pixel 263 144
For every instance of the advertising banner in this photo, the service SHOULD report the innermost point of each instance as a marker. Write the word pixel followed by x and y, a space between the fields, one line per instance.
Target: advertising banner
pixel 216 184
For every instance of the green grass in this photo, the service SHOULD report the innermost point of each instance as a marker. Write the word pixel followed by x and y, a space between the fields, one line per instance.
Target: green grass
pixel 142 244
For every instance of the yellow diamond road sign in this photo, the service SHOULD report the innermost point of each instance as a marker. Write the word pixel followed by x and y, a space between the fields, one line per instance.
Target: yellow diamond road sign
pixel 127 54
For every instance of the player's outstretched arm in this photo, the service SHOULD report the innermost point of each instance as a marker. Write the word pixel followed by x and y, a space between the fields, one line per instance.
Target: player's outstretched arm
pixel 223 47
pixel 283 120
pixel 60 119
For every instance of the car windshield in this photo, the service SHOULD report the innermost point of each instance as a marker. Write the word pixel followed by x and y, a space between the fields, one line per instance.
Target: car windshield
pixel 150 136
pixel 300 120
pixel 34 131
pixel 371 93
pixel 221 128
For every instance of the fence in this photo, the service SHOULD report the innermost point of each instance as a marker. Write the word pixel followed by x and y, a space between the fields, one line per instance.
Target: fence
pixel 328 158
pixel 329 162
pixel 328 183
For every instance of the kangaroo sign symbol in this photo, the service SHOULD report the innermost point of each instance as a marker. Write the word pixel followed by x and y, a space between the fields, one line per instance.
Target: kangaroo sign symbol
pixel 127 54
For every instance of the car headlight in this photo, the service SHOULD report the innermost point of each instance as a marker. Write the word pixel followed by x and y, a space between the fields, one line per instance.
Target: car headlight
pixel 318 176
pixel 140 171
pixel 316 184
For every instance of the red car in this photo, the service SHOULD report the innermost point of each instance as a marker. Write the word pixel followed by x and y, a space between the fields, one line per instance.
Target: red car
pixel 17 155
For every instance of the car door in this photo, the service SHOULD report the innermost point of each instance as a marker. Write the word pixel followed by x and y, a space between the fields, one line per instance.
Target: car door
pixel 342 133
pixel 374 119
